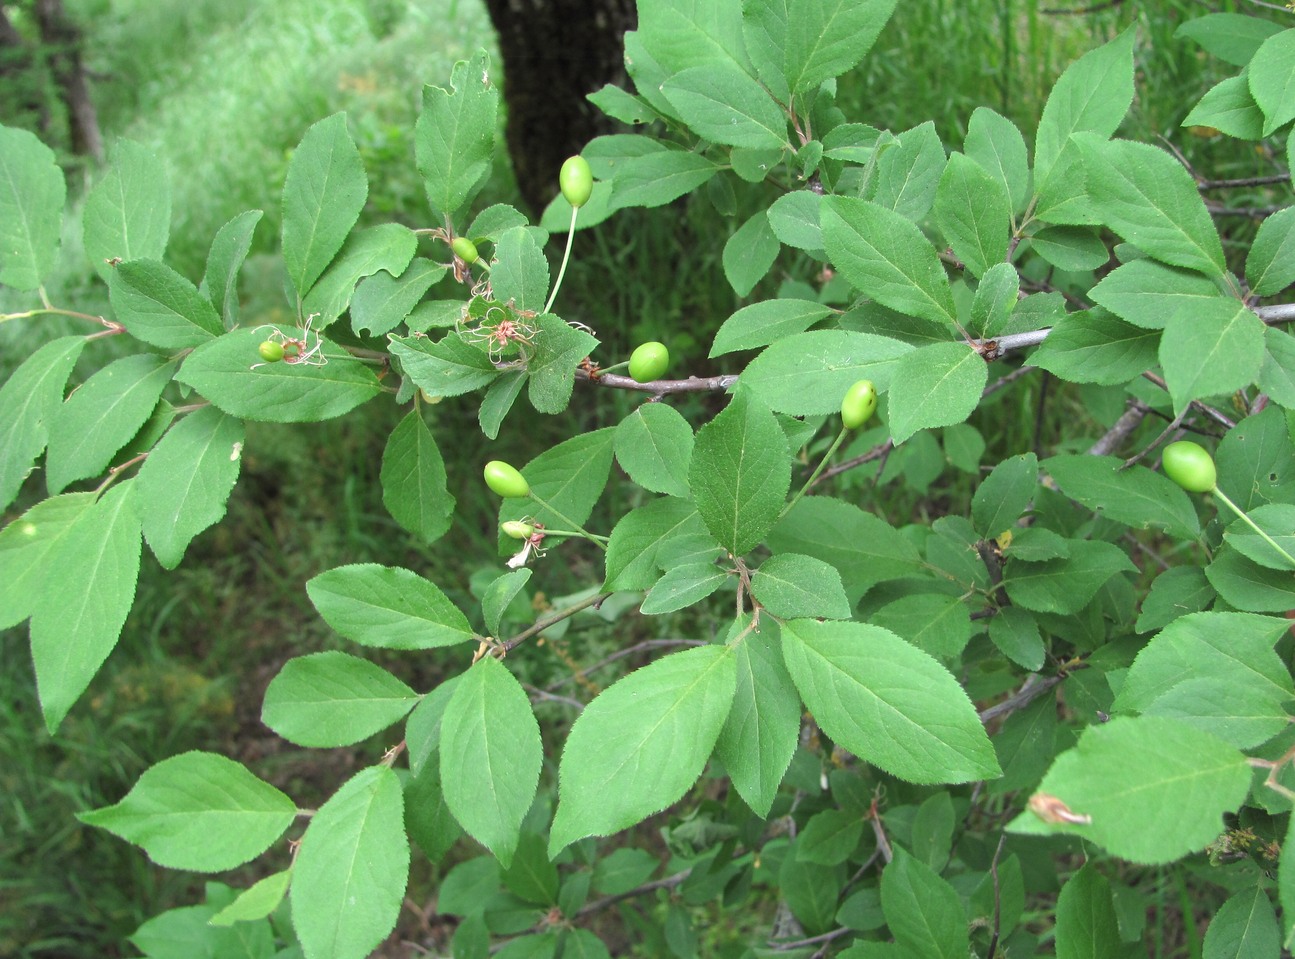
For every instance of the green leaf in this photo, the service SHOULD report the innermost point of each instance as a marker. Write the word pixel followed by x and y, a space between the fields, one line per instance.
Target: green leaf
pixel 160 307
pixel 678 34
pixel 84 596
pixel 387 606
pixel 382 302
pixel 790 585
pixel 623 106
pixel 974 212
pixel 559 348
pixel 654 446
pixel 1135 496
pixel 414 481
pixel 1073 248
pixel 454 139
pixel 1247 585
pixel 996 144
pixel 1256 461
pixel 763 727
pixel 519 271
pixel 863 548
pixel 25 543
pixel 1277 520
pixel 499 399
pixel 1175 592
pixel 640 535
pixel 935 386
pixel 1087 924
pixel 1229 108
pixel 449 366
pixel 767 322
pixel 725 105
pixel 532 877
pixel 323 195
pixel 186 481
pixel 388 246
pixel 887 702
pixel 30 401
pixel 642 743
pixel 102 416
pixel 658 178
pixel 1092 346
pixel 924 912
pixel 682 586
pixel 1148 197
pixel 934 623
pixel 1215 347
pixel 794 217
pixel 833 360
pixel 1146 293
pixel 1066 585
pixel 1127 772
pixel 997 295
pixel 229 372
pixel 908 173
pixel 826 38
pixel 198 811
pixel 740 473
pixel 886 257
pixel 1245 925
pixel 423 728
pixel 229 249
pixel 128 213
pixel 623 869
pixel 499 595
pixel 32 193
pixel 1270 264
pixel 1005 494
pixel 1017 637
pixel 749 253
pixel 349 878
pixel 1232 37
pixel 255 902
pixel 334 699
pixel 1092 95
pixel 829 837
pixel 569 477
pixel 428 819
pixel 1272 80
pixel 1217 672
pixel 491 756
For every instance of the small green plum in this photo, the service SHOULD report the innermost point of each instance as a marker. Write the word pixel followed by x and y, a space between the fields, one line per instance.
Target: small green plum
pixel 506 480
pixel 649 362
pixel 859 404
pixel 1190 466
pixel 465 249
pixel 576 180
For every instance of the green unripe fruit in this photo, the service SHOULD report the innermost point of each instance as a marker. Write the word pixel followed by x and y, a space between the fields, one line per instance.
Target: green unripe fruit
pixel 270 351
pixel 506 481
pixel 576 180
pixel 1190 466
pixel 859 404
pixel 517 529
pixel 649 362
pixel 464 249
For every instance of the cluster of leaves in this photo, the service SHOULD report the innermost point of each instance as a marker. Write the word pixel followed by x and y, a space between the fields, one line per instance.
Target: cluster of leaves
pixel 839 695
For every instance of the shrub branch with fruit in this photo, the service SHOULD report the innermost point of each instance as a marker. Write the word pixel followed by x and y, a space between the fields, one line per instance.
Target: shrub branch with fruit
pixel 897 730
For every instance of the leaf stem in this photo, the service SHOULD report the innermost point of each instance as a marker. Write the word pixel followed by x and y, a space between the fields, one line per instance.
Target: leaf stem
pixel 543 624
pixel 596 540
pixel 566 255
pixel 836 443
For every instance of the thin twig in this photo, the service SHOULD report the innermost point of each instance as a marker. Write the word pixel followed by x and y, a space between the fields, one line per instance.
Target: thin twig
pixel 693 384
pixel 1030 690
pixel 627 651
pixel 1242 182
pixel 1121 429
pixel 598 905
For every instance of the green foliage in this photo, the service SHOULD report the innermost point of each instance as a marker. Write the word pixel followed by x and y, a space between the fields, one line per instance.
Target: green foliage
pixel 922 722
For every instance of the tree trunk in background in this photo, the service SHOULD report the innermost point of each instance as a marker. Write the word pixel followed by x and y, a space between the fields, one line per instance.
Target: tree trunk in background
pixel 556 52
pixel 62 41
